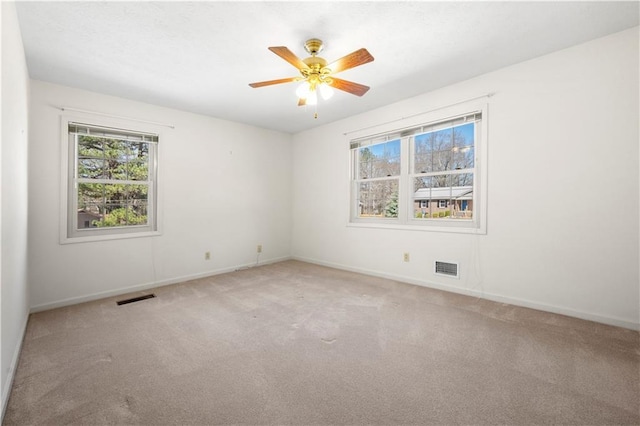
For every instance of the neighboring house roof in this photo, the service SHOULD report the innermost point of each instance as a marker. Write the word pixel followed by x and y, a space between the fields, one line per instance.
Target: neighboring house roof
pixel 455 193
pixel 89 213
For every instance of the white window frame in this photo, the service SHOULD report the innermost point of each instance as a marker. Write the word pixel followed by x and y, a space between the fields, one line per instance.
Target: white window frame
pixel 69 232
pixel 405 219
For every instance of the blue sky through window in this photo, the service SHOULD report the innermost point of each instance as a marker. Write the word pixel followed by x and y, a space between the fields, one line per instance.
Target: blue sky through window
pixel 391 149
pixel 465 130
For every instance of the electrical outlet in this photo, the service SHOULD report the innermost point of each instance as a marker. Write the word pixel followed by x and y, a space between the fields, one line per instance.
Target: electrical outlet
pixel 259 248
pixel 207 255
pixel 406 257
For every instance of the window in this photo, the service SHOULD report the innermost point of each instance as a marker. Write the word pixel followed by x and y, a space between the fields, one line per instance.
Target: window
pixel 111 182
pixel 426 176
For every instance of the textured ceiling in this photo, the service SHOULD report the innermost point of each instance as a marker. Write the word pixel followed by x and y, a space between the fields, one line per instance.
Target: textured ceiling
pixel 200 56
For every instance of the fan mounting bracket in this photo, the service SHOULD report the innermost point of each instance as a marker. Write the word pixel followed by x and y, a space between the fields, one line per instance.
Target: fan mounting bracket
pixel 313 46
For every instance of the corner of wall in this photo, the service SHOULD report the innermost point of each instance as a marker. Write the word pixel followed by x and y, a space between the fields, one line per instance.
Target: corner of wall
pixel 7 385
pixel 14 108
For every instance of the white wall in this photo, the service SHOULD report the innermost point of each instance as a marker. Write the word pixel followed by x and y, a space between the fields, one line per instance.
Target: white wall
pixel 563 194
pixel 226 188
pixel 563 189
pixel 14 306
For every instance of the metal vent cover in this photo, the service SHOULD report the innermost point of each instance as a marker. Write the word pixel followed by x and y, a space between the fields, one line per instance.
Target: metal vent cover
pixel 448 269
pixel 135 299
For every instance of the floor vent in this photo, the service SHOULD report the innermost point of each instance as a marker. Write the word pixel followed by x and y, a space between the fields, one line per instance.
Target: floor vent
pixel 136 299
pixel 446 268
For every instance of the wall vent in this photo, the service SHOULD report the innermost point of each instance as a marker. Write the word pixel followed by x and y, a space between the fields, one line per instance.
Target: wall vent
pixel 446 268
pixel 135 299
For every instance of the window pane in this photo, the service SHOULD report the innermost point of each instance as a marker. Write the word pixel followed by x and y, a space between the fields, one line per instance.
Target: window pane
pixel 87 220
pixel 137 193
pixel 433 151
pixel 378 199
pixel 115 194
pixel 421 197
pixel 90 216
pixel 462 180
pixel 139 151
pixel 440 181
pixel 116 149
pixel 138 156
pixel 115 215
pixel 90 147
pixel 423 154
pixel 441 161
pixel 137 214
pixel 463 158
pixel 463 147
pixel 137 201
pixel 379 160
pixel 90 157
pixel 441 144
pixel 138 170
pixel 90 194
pixel 124 215
pixel 464 135
pixel 90 168
pixel 462 196
pixel 90 201
pixel 116 169
pixel 434 192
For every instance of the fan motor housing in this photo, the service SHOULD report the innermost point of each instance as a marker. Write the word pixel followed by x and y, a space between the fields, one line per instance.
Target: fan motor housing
pixel 315 62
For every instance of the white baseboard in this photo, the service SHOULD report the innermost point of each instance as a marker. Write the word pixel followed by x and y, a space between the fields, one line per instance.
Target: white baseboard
pixel 146 286
pixel 618 322
pixel 6 390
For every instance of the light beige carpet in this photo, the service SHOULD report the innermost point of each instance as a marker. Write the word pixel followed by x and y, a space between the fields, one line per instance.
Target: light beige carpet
pixel 294 343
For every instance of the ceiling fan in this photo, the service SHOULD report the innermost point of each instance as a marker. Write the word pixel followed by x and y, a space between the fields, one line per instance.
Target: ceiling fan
pixel 317 75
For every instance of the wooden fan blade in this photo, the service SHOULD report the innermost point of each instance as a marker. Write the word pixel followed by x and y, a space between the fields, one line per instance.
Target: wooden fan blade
pixel 289 56
pixel 271 82
pixel 302 102
pixel 359 57
pixel 349 86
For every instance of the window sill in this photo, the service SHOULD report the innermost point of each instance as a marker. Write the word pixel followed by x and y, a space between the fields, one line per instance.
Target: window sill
pixel 449 227
pixel 107 237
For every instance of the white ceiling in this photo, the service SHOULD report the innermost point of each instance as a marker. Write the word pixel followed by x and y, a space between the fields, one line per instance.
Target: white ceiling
pixel 200 56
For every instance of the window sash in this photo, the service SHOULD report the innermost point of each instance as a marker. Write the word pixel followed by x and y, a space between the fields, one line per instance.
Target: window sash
pixel 389 160
pixel 377 206
pixel 447 204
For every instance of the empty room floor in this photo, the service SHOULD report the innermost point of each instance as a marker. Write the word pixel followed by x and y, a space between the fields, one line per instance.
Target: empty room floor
pixel 296 343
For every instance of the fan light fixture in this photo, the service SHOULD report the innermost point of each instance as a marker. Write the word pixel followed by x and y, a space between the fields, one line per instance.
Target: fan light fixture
pixel 316 75
pixel 308 91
